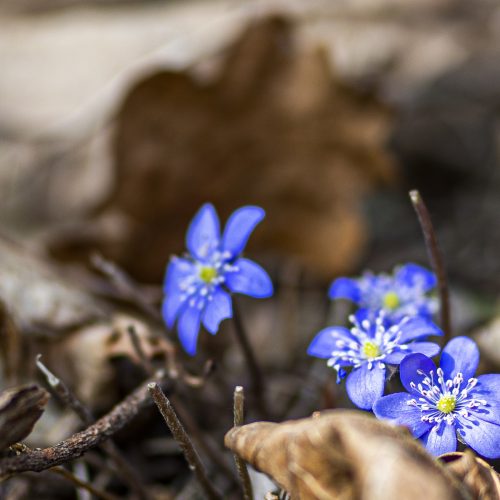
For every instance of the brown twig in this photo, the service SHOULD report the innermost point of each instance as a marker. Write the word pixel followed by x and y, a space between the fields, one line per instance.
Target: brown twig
pixel 180 435
pixel 136 344
pixel 75 446
pixel 436 260
pixel 124 285
pixel 238 414
pixel 82 484
pixel 258 387
pixel 62 392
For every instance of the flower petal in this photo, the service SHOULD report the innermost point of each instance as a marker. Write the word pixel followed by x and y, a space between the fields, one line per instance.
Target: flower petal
pixel 188 328
pixel 413 275
pixel 219 308
pixel 460 354
pixel 481 436
pixel 417 328
pixel 325 341
pixel 250 279
pixel 365 386
pixel 345 288
pixel 396 409
pixel 442 438
pixel 171 306
pixel 408 370
pixel 488 389
pixel 430 349
pixel 177 270
pixel 239 227
pixel 203 235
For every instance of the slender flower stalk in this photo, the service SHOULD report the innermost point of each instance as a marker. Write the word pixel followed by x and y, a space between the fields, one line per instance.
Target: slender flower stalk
pixel 436 260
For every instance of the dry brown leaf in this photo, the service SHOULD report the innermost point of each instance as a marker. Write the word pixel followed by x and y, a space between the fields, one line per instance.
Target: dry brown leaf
pixel 273 127
pixel 20 408
pixel 343 454
pixel 481 479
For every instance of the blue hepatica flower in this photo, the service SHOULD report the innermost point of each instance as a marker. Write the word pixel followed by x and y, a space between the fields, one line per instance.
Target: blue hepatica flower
pixel 444 401
pixel 405 293
pixel 196 286
pixel 368 347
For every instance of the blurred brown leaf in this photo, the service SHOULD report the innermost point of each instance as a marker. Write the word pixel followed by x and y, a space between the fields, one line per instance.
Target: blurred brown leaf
pixel 481 479
pixel 20 408
pixel 273 127
pixel 343 454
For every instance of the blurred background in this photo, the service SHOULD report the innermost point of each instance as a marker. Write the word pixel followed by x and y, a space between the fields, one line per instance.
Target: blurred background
pixel 118 119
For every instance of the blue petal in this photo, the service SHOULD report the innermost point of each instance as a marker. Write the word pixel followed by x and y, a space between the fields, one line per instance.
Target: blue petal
pixel 250 279
pixel 177 270
pixel 413 275
pixel 428 348
pixel 442 438
pixel 188 328
pixel 488 389
pixel 408 370
pixel 219 308
pixel 345 288
pixel 170 308
pixel 417 328
pixel 325 341
pixel 460 354
pixel 203 236
pixel 239 227
pixel 396 409
pixel 365 386
pixel 481 436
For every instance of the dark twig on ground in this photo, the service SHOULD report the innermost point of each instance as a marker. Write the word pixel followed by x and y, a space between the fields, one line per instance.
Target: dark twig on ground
pixel 82 484
pixel 180 435
pixel 124 285
pixel 75 446
pixel 258 387
pixel 436 260
pixel 62 392
pixel 238 414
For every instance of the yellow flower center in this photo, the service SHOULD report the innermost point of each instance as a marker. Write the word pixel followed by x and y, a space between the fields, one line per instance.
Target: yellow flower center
pixel 208 273
pixel 446 403
pixel 391 300
pixel 371 350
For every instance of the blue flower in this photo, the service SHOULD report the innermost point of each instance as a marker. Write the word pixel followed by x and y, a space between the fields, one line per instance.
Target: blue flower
pixel 448 400
pixel 196 286
pixel 368 347
pixel 405 293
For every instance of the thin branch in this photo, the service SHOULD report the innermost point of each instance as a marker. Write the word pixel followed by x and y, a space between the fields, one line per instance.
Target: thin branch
pixel 75 446
pixel 238 414
pixel 180 435
pixel 136 344
pixel 82 484
pixel 62 392
pixel 436 260
pixel 258 387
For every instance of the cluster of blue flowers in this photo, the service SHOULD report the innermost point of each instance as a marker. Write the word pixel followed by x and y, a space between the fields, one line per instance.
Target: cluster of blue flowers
pixel 389 330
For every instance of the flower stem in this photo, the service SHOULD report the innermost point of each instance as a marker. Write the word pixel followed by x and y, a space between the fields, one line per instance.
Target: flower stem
pixel 258 387
pixel 238 414
pixel 436 260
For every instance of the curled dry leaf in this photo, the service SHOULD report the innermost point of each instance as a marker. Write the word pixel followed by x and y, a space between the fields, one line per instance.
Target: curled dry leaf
pixel 481 479
pixel 37 297
pixel 343 454
pixel 20 408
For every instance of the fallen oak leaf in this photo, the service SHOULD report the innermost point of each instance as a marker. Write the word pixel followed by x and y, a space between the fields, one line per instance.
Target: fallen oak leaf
pixel 481 479
pixel 343 454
